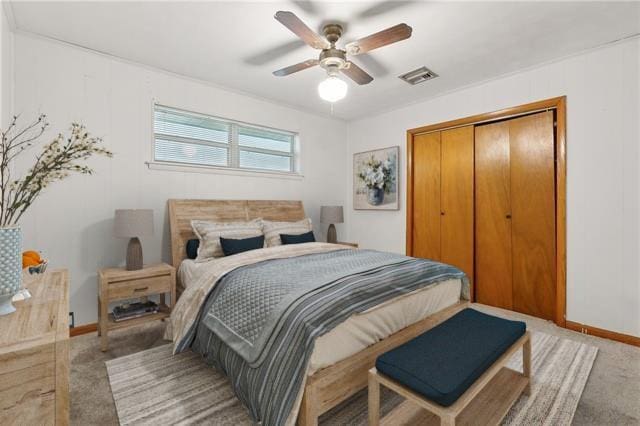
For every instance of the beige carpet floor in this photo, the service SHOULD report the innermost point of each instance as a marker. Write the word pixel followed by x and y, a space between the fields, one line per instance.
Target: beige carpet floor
pixel 156 387
pixel 611 396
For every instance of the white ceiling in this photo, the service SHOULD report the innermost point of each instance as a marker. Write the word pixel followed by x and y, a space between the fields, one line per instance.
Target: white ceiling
pixel 227 43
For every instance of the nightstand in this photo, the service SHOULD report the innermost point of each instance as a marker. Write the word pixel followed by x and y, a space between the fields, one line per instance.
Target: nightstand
pixel 115 284
pixel 348 244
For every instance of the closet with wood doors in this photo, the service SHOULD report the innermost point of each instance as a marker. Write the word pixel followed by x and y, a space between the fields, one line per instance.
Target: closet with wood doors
pixel 482 197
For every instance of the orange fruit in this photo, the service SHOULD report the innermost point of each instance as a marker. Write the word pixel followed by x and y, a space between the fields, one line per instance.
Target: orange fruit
pixel 32 254
pixel 29 261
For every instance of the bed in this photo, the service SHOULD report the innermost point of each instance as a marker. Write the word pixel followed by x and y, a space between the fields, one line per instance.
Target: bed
pixel 340 358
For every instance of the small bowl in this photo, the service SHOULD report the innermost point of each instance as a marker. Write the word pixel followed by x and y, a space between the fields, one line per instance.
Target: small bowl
pixel 39 268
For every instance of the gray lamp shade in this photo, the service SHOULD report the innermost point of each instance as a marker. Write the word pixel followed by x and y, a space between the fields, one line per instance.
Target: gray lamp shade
pixel 331 214
pixel 133 223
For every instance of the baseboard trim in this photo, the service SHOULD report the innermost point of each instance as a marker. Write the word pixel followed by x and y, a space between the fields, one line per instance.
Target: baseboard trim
pixel 83 329
pixel 600 332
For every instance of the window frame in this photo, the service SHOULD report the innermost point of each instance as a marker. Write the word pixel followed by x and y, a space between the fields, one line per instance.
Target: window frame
pixel 233 147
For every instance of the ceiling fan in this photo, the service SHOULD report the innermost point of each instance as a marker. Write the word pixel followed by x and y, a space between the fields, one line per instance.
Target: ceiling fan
pixel 333 59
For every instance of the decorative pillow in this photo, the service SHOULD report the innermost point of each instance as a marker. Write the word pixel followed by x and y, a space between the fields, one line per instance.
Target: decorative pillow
pixel 209 234
pixel 192 248
pixel 234 246
pixel 307 237
pixel 272 230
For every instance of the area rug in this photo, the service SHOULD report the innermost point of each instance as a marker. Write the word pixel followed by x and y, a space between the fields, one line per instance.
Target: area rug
pixel 154 387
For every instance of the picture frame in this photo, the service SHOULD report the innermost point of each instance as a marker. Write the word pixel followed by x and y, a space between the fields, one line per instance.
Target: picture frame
pixel 375 179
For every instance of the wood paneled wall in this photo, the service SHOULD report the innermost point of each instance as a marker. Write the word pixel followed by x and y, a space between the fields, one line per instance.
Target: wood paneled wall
pixel 72 222
pixel 603 172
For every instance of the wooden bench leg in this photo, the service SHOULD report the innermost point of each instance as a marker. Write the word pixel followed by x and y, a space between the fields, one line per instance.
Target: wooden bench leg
pixel 447 420
pixel 526 364
pixel 374 399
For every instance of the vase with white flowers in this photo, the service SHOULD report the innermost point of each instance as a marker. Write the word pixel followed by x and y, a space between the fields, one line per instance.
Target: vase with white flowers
pixel 377 176
pixel 56 161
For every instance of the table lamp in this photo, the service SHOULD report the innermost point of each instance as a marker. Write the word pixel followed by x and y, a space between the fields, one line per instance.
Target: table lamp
pixel 133 224
pixel 331 215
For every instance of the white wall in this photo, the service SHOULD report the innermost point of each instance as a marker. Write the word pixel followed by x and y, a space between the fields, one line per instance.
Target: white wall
pixel 72 222
pixel 603 136
pixel 6 68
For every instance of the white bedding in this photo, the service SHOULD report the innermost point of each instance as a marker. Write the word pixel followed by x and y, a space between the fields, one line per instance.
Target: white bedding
pixel 190 271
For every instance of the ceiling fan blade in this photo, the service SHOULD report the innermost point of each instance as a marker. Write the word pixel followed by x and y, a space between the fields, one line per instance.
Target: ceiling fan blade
pixel 379 39
pixel 308 6
pixel 295 68
pixel 299 28
pixel 382 7
pixel 357 74
pixel 275 52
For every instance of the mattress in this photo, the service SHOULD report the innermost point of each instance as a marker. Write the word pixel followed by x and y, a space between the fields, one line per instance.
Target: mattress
pixel 369 327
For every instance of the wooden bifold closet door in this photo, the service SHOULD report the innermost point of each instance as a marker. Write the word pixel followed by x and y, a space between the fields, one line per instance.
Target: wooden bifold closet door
pixel 456 199
pixel 515 214
pixel 492 209
pixel 426 196
pixel 442 197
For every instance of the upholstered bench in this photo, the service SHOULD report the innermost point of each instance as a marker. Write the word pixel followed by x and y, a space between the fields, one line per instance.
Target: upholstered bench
pixel 455 371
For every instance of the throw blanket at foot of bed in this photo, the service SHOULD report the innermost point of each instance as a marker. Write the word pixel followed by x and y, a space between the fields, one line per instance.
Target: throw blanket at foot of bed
pixel 260 322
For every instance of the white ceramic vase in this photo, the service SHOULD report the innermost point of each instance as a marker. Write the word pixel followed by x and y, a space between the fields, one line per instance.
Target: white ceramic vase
pixel 10 267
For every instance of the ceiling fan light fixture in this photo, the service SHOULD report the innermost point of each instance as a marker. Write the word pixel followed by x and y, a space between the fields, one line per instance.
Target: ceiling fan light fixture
pixel 332 89
pixel 333 59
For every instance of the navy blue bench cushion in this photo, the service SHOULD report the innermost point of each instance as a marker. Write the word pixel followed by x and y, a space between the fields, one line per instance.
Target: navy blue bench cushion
pixel 444 362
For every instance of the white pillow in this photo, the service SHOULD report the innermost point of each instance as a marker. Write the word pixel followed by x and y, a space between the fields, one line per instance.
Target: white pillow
pixel 272 230
pixel 209 234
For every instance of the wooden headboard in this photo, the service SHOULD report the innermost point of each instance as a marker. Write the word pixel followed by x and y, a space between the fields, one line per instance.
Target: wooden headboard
pixel 181 212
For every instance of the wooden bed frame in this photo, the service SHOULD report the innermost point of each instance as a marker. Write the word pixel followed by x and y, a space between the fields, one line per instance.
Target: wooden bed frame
pixel 330 386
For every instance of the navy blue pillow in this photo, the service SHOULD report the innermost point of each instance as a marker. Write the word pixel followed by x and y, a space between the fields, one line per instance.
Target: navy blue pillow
pixel 192 248
pixel 233 246
pixel 307 237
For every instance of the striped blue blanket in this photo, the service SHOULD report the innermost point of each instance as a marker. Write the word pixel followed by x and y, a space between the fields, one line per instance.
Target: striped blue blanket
pixel 260 322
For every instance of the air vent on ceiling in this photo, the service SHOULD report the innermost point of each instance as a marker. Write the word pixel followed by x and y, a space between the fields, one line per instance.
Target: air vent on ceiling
pixel 418 76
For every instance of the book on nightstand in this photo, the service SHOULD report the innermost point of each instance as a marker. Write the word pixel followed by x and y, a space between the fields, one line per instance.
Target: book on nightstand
pixel 134 310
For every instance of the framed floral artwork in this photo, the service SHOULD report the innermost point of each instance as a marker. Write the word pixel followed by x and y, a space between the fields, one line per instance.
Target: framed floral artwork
pixel 375 179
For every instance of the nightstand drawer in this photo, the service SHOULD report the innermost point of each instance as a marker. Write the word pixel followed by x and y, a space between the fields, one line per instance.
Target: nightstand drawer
pixel 140 287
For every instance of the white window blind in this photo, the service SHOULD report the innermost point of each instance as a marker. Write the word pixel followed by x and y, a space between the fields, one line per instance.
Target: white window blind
pixel 190 138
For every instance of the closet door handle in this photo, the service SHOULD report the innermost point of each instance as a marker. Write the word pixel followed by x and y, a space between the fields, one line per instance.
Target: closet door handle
pixel 441 213
pixel 509 216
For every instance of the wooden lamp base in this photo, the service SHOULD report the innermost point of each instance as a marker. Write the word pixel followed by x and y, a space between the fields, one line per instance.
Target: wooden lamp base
pixel 134 254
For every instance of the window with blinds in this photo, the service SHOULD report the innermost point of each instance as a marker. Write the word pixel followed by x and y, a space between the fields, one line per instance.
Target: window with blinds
pixel 194 139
